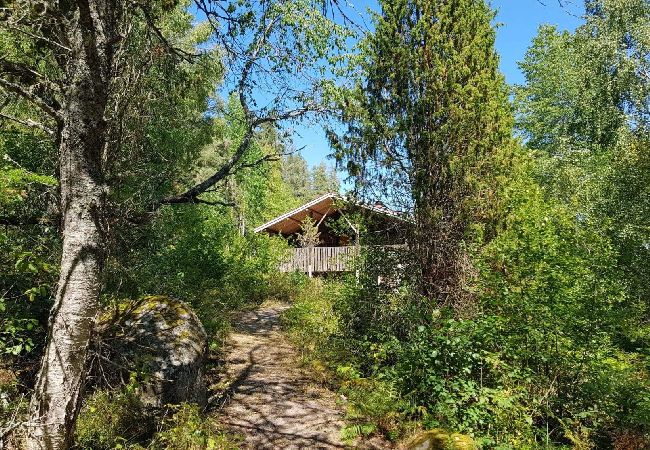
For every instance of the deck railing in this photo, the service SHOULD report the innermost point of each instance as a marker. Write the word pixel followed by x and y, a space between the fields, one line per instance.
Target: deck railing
pixel 319 259
pixel 326 259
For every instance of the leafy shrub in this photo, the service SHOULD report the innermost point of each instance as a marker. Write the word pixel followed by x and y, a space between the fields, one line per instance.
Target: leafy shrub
pixel 199 255
pixel 117 420
pixel 373 405
pixel 27 262
pixel 110 420
pixel 449 369
pixel 543 358
pixel 13 406
pixel 311 320
pixel 186 429
pixel 313 324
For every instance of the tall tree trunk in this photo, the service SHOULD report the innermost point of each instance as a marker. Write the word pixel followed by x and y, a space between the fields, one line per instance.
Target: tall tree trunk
pixel 59 387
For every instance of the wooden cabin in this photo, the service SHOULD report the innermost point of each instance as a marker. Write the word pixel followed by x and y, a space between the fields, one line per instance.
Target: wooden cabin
pixel 340 235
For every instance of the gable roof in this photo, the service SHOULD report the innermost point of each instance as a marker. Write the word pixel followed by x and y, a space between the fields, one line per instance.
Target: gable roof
pixel 291 222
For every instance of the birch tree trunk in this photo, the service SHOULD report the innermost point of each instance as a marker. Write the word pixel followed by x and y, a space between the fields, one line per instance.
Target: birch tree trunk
pixel 59 387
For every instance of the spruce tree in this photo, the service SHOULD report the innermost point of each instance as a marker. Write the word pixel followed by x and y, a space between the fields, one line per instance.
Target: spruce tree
pixel 430 120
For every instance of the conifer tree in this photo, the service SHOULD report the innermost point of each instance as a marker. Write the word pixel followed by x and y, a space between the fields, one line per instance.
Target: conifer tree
pixel 426 125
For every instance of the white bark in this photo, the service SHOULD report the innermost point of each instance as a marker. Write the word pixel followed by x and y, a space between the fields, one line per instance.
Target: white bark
pixel 60 382
pixel 59 387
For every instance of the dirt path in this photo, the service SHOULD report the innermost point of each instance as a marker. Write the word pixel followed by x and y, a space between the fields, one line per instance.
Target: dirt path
pixel 267 399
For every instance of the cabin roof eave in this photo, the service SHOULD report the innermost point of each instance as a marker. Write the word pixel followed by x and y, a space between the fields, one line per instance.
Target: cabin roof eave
pixel 326 201
pixel 293 212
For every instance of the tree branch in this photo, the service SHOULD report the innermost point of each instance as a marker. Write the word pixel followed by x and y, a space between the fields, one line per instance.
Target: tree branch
pixel 29 123
pixel 186 56
pixel 267 158
pixel 248 57
pixel 20 222
pixel 35 99
pixel 226 170
pixel 27 74
pixel 192 194
pixel 214 202
pixel 38 37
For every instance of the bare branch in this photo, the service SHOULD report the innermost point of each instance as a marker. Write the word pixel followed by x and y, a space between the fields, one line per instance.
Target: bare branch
pixel 35 99
pixel 191 194
pixel 214 203
pixel 264 32
pixel 267 158
pixel 289 115
pixel 222 16
pixel 29 123
pixel 24 221
pixel 232 165
pixel 27 74
pixel 37 37
pixel 187 56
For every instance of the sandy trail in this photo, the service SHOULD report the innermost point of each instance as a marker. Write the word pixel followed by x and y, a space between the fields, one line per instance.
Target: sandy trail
pixel 267 398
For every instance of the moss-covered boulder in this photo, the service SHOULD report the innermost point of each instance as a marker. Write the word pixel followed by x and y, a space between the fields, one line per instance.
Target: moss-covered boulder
pixel 158 340
pixel 438 439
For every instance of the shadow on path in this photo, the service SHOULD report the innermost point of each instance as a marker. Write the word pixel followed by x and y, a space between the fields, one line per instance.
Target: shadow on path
pixel 268 399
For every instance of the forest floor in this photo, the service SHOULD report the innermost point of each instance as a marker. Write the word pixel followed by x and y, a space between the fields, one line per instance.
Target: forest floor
pixel 265 397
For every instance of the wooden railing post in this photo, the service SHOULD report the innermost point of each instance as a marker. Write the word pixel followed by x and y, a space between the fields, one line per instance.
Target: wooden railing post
pixel 310 260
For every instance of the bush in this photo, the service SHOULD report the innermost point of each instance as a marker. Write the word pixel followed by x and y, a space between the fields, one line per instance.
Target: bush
pixel 199 255
pixel 314 325
pixel 186 429
pixel 541 359
pixel 110 420
pixel 373 405
pixel 311 321
pixel 117 420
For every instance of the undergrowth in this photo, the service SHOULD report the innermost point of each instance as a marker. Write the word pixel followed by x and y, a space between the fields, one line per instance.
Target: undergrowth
pixel 373 404
pixel 117 419
pixel 405 367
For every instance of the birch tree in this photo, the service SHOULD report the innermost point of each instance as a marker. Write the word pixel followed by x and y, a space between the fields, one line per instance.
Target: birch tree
pixel 75 79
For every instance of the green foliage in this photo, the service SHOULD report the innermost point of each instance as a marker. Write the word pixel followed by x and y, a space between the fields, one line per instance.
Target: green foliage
pixel 584 111
pixel 158 126
pixel 535 363
pixel 305 183
pixel 117 420
pixel 314 325
pixel 197 254
pixel 310 236
pixel 547 345
pixel 163 126
pixel 373 406
pixel 26 262
pixel 311 319
pixel 186 429
pixel 112 420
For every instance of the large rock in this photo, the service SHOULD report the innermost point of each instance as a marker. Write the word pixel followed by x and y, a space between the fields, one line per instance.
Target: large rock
pixel 159 339
pixel 438 439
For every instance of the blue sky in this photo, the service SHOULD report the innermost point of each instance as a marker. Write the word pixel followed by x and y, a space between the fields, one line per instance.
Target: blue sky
pixel 518 23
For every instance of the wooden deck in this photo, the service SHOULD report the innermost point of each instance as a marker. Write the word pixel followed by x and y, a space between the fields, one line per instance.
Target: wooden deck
pixel 319 259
